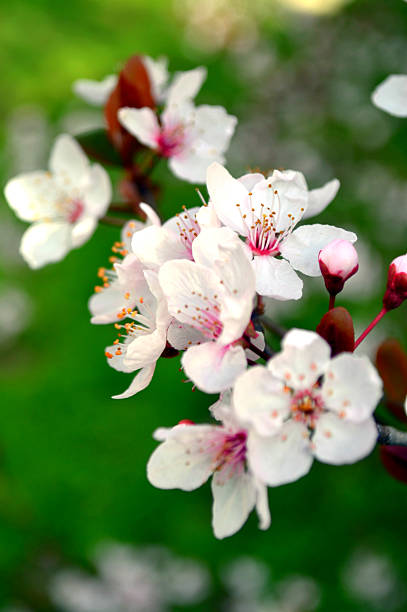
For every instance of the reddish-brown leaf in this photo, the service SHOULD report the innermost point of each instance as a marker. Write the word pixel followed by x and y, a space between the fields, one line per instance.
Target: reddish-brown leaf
pixel 391 361
pixel 336 327
pixel 394 459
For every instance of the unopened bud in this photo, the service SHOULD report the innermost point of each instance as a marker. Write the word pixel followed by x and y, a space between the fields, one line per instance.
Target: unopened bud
pixel 396 290
pixel 186 422
pixel 338 261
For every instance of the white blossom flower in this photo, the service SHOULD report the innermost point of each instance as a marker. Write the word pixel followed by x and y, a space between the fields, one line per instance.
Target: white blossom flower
pixel 98 92
pixel 64 204
pixel 190 137
pixel 391 95
pixel 142 340
pixel 122 284
pixel 265 211
pixel 190 454
pixel 296 415
pixel 213 295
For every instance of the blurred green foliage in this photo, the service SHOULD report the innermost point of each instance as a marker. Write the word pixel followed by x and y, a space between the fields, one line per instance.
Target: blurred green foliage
pixel 72 463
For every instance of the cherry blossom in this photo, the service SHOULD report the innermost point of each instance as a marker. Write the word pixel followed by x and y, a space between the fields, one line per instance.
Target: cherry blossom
pixel 396 291
pixel 266 211
pixel 190 454
pixel 63 204
pixel 391 95
pixel 143 338
pixel 189 137
pixel 121 285
pixel 214 295
pixel 303 405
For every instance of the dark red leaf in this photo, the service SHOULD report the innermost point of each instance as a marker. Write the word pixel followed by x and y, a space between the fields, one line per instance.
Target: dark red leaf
pixel 133 89
pixel 394 459
pixel 336 327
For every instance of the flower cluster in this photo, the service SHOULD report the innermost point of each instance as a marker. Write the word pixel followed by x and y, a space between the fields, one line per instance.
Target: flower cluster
pixel 199 283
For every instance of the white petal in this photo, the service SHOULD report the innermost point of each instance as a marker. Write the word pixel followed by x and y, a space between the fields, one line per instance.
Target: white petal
pixel 251 179
pixel 139 382
pixel 352 387
pixel 259 342
pixel 212 367
pixel 185 86
pixel 206 217
pixel 95 92
pixel 275 278
pixel 318 199
pixel 302 360
pixel 182 281
pixel 141 123
pixel 233 500
pixel 260 400
pixel 105 305
pixel 82 231
pixel 281 458
pixel 181 462
pixel 44 243
pixel 152 217
pixel 337 441
pixel 158 75
pixel 228 196
pixel 391 95
pixel 182 336
pixel 262 506
pixel 145 349
pixel 98 192
pixel 302 247
pixel 213 128
pixel 33 196
pixel 68 161
pixel 155 245
pixel 292 196
pixel 190 166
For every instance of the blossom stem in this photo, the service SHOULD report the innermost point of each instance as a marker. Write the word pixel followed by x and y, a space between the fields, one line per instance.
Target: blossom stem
pixel 114 221
pixel 370 327
pixel 391 436
pixel 266 354
pixel 332 301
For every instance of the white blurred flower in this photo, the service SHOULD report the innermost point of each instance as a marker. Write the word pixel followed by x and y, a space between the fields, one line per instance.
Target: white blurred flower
pixel 64 204
pixel 391 95
pixel 15 312
pixel 295 417
pixel 190 454
pixel 189 137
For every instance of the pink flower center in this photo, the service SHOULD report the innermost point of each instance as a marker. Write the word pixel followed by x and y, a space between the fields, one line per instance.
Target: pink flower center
pixel 75 211
pixel 306 407
pixel 260 226
pixel 231 455
pixel 203 313
pixel 171 140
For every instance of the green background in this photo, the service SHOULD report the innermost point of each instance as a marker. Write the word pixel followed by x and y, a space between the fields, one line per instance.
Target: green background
pixel 72 461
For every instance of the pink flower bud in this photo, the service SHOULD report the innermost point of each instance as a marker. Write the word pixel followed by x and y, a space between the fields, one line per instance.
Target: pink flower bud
pixel 396 290
pixel 186 422
pixel 338 261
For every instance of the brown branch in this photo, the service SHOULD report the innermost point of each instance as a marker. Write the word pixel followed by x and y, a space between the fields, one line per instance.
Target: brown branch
pixel 390 436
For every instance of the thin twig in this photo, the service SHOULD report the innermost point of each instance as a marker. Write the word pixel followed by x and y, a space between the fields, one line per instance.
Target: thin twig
pixel 266 354
pixel 391 436
pixel 115 221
